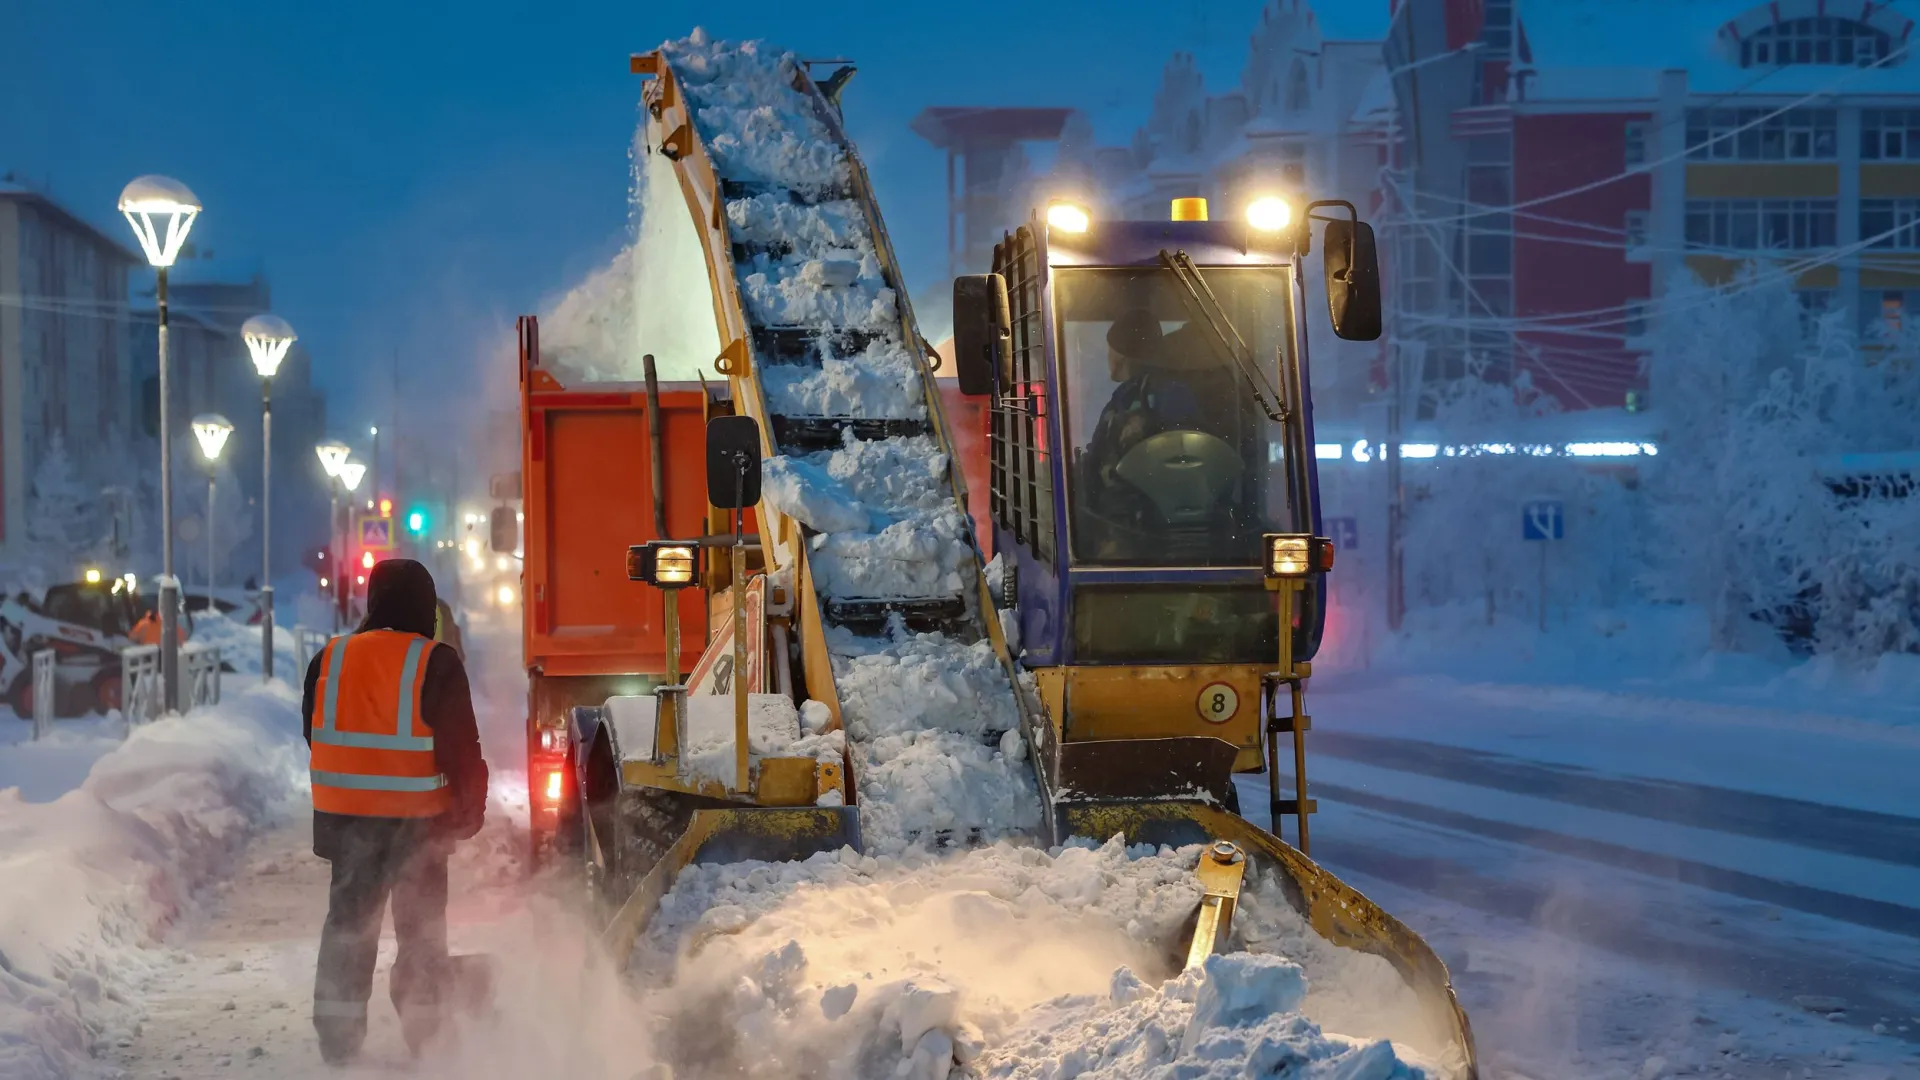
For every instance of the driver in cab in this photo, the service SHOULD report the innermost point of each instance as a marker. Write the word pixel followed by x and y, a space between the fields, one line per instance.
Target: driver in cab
pixel 1163 386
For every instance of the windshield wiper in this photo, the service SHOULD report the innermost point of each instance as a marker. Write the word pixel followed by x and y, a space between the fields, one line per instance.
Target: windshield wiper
pixel 1205 309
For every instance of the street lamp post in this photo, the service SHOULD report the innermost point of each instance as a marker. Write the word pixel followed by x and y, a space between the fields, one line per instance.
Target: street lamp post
pixel 350 474
pixel 268 338
pixel 162 211
pixel 212 430
pixel 333 455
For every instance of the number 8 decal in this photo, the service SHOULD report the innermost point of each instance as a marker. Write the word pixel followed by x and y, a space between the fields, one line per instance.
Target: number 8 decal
pixel 1218 703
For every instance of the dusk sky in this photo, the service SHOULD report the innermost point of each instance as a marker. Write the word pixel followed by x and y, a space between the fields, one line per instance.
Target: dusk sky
pixel 413 175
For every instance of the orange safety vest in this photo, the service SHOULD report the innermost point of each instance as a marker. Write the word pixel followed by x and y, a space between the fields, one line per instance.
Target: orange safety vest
pixel 372 751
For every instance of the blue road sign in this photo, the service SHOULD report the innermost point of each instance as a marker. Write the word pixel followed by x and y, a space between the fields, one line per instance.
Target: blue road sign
pixel 1543 519
pixel 1344 532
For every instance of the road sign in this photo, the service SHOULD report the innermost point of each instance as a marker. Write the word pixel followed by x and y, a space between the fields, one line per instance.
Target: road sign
pixel 1344 532
pixel 1543 519
pixel 376 534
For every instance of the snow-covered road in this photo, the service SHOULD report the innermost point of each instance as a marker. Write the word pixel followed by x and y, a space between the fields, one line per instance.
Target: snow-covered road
pixel 1626 882
pixel 1615 877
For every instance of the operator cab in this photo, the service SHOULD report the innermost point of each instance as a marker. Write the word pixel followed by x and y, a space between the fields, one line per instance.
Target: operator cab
pixel 1149 427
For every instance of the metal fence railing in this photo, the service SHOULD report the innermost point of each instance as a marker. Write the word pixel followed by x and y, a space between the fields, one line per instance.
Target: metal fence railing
pixel 140 689
pixel 44 688
pixel 140 684
pixel 305 643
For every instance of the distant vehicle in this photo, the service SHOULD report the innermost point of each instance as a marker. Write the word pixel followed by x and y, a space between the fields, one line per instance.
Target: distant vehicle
pixel 86 624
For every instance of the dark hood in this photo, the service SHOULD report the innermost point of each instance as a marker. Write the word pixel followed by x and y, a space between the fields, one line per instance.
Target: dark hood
pixel 400 596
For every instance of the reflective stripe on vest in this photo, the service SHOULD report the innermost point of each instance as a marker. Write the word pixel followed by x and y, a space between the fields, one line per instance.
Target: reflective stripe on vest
pixel 373 755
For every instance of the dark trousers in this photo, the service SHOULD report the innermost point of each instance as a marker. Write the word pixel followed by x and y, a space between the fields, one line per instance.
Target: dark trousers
pixel 372 859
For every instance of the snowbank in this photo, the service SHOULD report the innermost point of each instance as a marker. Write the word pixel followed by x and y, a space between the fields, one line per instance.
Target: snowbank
pixel 239 646
pixel 1015 961
pixel 90 881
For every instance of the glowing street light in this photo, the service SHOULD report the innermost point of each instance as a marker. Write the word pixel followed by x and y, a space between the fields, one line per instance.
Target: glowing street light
pixel 332 456
pixel 350 475
pixel 212 431
pixel 162 211
pixel 268 338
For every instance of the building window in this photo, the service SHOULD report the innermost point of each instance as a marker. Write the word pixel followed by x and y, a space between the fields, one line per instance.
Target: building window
pixel 1761 224
pixel 1890 223
pixel 1890 134
pixel 1636 145
pixel 1754 135
pixel 1821 40
pixel 1882 312
pixel 1814 303
pixel 1636 229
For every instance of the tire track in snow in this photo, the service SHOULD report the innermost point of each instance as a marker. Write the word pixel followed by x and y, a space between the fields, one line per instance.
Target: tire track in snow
pixel 1860 911
pixel 1840 830
pixel 1872 989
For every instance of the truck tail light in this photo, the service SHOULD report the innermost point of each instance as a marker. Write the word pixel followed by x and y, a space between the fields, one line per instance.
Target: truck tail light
pixel 553 786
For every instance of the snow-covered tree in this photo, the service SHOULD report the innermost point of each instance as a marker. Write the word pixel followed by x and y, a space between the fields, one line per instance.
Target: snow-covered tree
pixel 1746 518
pixel 63 513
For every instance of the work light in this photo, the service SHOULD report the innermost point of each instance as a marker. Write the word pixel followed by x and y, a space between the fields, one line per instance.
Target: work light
pixel 661 563
pixel 1068 216
pixel 1295 555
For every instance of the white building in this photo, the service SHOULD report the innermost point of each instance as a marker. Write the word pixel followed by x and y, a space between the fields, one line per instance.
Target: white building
pixel 65 362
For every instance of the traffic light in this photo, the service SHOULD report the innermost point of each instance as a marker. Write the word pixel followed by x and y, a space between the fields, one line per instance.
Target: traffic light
pixel 386 508
pixel 416 521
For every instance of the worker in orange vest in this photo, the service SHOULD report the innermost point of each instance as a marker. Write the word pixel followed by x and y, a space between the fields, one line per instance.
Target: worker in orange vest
pixel 397 779
pixel 147 630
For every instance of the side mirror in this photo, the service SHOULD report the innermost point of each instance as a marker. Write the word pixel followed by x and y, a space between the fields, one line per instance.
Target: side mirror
pixel 733 462
pixel 1353 280
pixel 503 530
pixel 982 325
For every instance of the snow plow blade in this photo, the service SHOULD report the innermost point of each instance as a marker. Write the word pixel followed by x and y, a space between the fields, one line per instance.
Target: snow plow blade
pixel 1335 910
pixel 727 835
pixel 1128 770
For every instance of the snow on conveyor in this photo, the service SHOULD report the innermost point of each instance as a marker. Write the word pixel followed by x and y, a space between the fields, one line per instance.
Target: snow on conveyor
pixel 931 719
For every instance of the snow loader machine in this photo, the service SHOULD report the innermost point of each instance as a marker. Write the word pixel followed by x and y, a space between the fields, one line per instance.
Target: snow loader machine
pixel 1163 583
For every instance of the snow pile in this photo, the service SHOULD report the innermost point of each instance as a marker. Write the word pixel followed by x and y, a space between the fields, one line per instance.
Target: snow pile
pixel 936 744
pixel 756 125
pixel 239 645
pixel 92 879
pixel 1009 961
pixel 882 381
pixel 887 523
pixel 1238 1017
pixel 773 730
pixel 838 288
pixel 768 219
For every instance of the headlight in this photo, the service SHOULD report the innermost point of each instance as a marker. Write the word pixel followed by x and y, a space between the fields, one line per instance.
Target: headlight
pixel 1269 213
pixel 1294 555
pixel 1068 216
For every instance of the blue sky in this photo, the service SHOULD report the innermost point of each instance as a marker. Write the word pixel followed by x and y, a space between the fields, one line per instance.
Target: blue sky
pixel 412 175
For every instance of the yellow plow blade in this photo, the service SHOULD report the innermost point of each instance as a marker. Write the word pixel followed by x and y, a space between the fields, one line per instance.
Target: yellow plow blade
pixel 731 835
pixel 1335 910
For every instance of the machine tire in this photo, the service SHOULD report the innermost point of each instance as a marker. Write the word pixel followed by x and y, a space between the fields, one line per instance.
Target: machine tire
pixel 107 692
pixel 20 696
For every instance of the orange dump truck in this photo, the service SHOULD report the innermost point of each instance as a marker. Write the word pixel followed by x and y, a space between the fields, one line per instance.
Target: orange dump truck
pixel 604 466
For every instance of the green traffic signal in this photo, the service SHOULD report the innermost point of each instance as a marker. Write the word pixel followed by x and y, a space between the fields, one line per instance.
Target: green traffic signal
pixel 417 521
